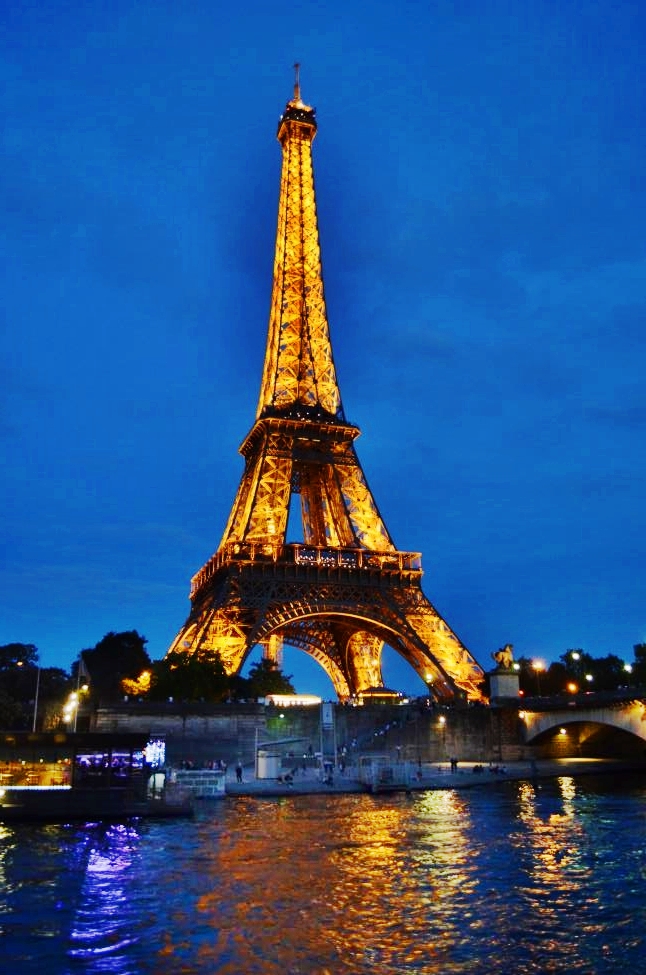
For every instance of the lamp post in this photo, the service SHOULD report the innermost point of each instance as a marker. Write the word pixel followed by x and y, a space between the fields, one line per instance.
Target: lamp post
pixel 33 727
pixel 537 666
pixel 80 688
pixel 575 660
pixel 442 723
pixel 21 663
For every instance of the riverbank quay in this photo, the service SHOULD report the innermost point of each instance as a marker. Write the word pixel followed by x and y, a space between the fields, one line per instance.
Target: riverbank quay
pixel 434 776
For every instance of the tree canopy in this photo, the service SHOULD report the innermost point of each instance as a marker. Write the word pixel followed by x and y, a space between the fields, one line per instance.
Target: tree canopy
pixel 18 655
pixel 189 677
pixel 201 676
pixel 115 657
pixel 265 678
pixel 28 691
pixel 578 671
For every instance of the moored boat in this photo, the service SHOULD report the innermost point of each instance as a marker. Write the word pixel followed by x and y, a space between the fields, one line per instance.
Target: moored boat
pixel 61 776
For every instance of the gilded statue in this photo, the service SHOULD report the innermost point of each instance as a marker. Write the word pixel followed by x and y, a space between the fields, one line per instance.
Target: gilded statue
pixel 504 657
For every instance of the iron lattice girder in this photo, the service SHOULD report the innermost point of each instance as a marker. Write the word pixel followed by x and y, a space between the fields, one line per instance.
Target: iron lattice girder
pixel 347 590
pixel 316 459
pixel 299 366
pixel 390 606
pixel 320 607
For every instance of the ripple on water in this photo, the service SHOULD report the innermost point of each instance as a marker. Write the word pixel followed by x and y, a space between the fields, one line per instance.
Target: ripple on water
pixel 515 879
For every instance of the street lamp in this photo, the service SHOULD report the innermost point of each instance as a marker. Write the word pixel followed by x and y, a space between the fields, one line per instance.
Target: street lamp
pixel 442 726
pixel 70 709
pixel 20 663
pixel 33 727
pixel 575 660
pixel 80 689
pixel 537 667
pixel 71 706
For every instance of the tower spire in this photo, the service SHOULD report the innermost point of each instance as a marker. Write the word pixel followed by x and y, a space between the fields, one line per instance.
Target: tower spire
pixel 297 83
pixel 299 367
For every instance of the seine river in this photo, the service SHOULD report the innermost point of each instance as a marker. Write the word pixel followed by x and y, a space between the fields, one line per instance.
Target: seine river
pixel 517 877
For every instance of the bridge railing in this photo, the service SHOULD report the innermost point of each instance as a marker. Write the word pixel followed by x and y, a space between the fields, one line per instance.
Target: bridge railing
pixel 589 699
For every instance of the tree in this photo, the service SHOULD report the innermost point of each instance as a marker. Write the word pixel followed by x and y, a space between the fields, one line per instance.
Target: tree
pixel 20 676
pixel 18 655
pixel 597 673
pixel 265 677
pixel 639 666
pixel 116 656
pixel 556 679
pixel 197 676
pixel 11 712
pixel 607 673
pixel 29 691
pixel 55 686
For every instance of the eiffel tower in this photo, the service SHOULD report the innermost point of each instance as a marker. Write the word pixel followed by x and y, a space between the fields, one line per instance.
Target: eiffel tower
pixel 346 590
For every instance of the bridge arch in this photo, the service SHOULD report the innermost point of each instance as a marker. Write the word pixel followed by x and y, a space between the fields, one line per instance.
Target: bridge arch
pixel 610 731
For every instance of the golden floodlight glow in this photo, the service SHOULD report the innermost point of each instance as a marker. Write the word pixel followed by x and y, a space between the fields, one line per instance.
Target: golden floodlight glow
pixel 138 687
pixel 292 700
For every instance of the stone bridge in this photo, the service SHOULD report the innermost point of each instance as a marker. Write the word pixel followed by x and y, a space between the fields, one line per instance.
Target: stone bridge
pixel 611 724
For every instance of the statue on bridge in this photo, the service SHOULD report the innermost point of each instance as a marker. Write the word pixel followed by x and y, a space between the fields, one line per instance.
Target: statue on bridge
pixel 504 657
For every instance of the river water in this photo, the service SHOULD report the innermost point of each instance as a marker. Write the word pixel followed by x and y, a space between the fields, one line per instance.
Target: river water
pixel 517 877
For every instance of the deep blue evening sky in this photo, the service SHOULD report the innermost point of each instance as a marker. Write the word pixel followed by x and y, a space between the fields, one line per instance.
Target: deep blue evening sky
pixel 482 199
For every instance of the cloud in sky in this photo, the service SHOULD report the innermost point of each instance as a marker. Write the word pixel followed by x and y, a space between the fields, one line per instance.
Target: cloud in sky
pixel 480 190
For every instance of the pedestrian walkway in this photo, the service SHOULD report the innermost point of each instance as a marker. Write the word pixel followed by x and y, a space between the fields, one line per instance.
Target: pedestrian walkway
pixel 429 777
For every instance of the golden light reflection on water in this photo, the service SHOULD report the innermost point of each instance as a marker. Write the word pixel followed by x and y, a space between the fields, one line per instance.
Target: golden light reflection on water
pixel 554 839
pixel 376 896
pixel 551 848
pixel 397 885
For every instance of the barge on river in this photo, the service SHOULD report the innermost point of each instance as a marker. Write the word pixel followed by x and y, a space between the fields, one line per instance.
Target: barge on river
pixel 60 776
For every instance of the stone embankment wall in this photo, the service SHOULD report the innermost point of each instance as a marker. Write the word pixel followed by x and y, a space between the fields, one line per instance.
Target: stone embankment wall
pixel 200 734
pixel 194 734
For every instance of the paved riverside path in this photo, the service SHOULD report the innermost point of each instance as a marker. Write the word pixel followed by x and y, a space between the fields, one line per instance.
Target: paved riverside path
pixel 433 776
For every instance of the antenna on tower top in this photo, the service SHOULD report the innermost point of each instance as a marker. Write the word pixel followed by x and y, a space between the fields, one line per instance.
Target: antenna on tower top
pixel 297 83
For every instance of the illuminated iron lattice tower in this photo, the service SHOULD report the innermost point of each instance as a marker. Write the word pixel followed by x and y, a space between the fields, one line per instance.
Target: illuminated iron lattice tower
pixel 345 590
